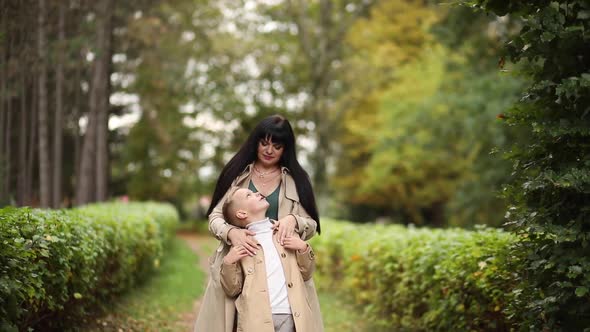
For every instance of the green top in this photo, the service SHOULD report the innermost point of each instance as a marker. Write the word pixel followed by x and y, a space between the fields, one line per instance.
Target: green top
pixel 273 200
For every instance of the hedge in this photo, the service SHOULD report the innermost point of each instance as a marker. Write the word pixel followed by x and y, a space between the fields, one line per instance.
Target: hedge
pixel 412 279
pixel 56 265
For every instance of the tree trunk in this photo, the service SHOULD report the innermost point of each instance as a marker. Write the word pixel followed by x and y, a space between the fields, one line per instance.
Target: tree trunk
pixel 93 166
pixel 44 167
pixel 435 214
pixel 30 176
pixel 8 152
pixel 22 143
pixel 85 181
pixel 3 123
pixel 104 41
pixel 58 127
pixel 76 116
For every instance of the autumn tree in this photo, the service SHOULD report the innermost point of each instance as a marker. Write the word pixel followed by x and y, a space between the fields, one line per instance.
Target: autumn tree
pixel 416 142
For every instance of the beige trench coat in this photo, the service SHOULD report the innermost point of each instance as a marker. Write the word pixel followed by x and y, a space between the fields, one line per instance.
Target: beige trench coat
pixel 247 280
pixel 217 312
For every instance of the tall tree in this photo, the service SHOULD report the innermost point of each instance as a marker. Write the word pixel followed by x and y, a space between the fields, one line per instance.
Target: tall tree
pixel 21 190
pixel 59 109
pixel 44 162
pixel 104 41
pixel 162 149
pixel 92 180
pixel 321 40
pixel 3 101
pixel 33 145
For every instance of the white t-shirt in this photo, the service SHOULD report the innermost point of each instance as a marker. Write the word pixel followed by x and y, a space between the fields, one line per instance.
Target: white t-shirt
pixel 275 275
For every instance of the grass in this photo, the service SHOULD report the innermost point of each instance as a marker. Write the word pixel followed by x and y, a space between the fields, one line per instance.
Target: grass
pixel 199 226
pixel 158 304
pixel 338 313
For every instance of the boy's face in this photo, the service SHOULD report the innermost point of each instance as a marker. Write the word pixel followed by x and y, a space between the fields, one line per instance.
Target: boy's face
pixel 250 202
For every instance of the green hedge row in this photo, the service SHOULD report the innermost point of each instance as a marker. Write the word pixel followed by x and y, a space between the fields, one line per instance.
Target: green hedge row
pixel 55 265
pixel 412 279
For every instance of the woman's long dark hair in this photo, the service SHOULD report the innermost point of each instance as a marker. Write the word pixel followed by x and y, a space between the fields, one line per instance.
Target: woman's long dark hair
pixel 281 132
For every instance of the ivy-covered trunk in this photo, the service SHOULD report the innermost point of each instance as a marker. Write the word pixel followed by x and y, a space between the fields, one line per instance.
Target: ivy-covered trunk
pixel 550 193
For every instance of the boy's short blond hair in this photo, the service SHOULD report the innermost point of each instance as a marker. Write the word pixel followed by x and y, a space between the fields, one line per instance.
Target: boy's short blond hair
pixel 228 209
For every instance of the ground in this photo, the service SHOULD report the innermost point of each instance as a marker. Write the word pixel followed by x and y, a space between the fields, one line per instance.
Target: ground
pixel 202 246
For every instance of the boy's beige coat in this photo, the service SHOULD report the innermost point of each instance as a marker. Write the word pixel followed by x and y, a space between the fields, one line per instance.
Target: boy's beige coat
pixel 217 312
pixel 248 281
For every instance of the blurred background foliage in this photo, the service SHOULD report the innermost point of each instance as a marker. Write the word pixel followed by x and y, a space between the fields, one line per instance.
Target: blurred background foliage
pixel 395 103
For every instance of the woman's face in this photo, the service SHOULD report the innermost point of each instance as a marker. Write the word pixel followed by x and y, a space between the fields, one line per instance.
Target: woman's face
pixel 269 153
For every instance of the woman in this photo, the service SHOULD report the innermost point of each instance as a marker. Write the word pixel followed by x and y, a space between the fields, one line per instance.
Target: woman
pixel 267 163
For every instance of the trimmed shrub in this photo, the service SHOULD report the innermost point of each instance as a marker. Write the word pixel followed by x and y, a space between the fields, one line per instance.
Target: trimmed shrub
pixel 57 264
pixel 420 279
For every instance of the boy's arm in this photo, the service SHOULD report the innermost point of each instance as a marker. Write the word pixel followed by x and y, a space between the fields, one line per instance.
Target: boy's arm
pixel 306 225
pixel 231 278
pixel 304 254
pixel 306 262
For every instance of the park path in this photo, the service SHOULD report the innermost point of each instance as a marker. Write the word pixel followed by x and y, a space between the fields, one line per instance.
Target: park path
pixel 202 245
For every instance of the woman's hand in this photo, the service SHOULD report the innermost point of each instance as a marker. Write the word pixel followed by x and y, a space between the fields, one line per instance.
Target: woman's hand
pixel 244 238
pixel 286 228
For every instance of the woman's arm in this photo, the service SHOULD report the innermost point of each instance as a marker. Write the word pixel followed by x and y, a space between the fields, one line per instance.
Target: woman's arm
pixel 297 222
pixel 217 224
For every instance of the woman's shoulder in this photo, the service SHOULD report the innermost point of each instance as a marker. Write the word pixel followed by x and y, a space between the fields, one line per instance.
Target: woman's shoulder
pixel 243 175
pixel 285 170
pixel 290 187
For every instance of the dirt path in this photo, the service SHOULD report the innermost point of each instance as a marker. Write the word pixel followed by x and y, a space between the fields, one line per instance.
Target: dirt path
pixel 203 246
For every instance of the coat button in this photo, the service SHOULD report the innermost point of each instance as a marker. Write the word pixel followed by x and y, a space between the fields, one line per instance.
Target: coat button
pixel 296 314
pixel 250 270
pixel 283 255
pixel 290 285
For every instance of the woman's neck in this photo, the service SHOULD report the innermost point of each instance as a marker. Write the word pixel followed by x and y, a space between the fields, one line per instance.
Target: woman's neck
pixel 265 169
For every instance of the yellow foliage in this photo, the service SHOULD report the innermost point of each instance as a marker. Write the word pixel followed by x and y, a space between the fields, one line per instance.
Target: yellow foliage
pixel 394 33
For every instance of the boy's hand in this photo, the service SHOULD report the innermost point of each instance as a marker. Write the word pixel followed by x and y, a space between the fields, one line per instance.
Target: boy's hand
pixel 295 243
pixel 285 227
pixel 235 254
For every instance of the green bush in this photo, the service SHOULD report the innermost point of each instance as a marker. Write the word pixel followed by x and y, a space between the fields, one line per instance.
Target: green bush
pixel 57 264
pixel 549 191
pixel 420 279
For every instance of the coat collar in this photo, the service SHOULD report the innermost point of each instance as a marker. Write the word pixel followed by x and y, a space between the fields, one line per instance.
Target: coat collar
pixel 288 182
pixel 248 169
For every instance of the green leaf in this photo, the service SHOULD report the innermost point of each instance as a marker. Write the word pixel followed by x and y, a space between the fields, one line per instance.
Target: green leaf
pixel 547 36
pixel 581 291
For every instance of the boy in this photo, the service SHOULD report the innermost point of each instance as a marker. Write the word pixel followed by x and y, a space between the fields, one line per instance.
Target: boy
pixel 269 286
